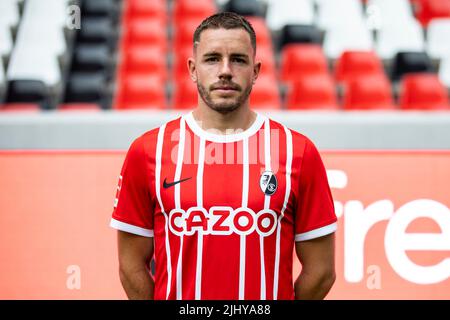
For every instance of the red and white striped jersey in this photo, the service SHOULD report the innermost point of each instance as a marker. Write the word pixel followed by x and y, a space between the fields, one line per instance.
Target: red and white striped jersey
pixel 224 210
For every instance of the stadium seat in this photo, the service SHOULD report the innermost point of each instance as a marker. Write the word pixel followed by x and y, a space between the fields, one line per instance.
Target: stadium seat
pixel 29 63
pixel 390 12
pixel 179 67
pixel 265 94
pixel 140 91
pixel 91 57
pixel 96 30
pixel 145 31
pixel 151 10
pixel 430 9
pixel 423 92
pixel 312 92
pixel 6 42
pixel 297 33
pixel 185 94
pixel 438 44
pixel 28 91
pixel 268 64
pixel 333 14
pixel 283 12
pixel 298 60
pixel 393 39
pixel 444 71
pixel 372 92
pixel 184 33
pixel 187 9
pixel 101 8
pixel 347 37
pixel 145 60
pixel 246 7
pixel 45 14
pixel 86 87
pixel 9 14
pixel 355 64
pixel 263 35
pixel 410 62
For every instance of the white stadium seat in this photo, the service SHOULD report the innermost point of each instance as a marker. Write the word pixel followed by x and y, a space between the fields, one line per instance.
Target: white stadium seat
pixel 438 38
pixel 333 13
pixel 444 71
pixel 282 12
pixel 389 12
pixel 9 13
pixel 347 37
pixel 395 38
pixel 46 13
pixel 34 65
pixel 6 42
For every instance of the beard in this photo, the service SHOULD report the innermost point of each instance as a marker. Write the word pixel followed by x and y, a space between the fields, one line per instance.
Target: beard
pixel 226 106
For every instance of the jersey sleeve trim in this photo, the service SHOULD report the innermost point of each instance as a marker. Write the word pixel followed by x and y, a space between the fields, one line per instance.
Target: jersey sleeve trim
pixel 122 226
pixel 316 233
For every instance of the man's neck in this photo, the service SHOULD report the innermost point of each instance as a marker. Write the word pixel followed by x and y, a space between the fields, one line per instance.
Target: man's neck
pixel 211 120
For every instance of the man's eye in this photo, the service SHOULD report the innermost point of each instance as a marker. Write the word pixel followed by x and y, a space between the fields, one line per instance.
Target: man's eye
pixel 239 60
pixel 211 59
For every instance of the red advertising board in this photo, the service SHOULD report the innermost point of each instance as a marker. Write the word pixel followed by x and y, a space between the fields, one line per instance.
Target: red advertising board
pixel 393 238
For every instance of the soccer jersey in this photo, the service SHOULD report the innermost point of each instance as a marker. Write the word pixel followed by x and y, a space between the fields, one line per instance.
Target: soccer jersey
pixel 224 210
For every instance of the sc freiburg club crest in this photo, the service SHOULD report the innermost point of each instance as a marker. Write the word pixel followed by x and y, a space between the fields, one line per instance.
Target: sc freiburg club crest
pixel 268 183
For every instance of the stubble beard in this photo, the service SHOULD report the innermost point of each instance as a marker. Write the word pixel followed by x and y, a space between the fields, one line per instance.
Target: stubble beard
pixel 224 107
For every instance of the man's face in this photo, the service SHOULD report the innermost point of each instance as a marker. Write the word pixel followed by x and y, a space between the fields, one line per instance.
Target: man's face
pixel 224 68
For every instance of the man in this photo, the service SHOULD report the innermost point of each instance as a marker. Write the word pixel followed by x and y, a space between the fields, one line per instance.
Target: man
pixel 221 195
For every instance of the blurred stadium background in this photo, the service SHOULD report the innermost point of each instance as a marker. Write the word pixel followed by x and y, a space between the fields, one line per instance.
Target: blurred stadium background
pixel 367 81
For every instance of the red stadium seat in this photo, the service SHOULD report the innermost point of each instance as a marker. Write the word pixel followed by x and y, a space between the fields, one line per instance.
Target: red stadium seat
pixel 298 60
pixel 185 94
pixel 188 9
pixel 263 36
pixel 315 91
pixel 20 107
pixel 355 64
pixel 268 66
pixel 154 10
pixel 184 33
pixel 141 31
pixel 429 9
pixel 144 60
pixel 423 91
pixel 140 91
pixel 371 92
pixel 180 68
pixel 265 94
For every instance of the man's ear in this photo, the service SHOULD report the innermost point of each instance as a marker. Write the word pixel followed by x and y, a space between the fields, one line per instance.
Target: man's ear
pixel 191 69
pixel 256 69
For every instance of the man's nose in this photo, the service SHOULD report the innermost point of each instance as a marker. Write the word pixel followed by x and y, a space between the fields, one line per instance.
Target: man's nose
pixel 225 70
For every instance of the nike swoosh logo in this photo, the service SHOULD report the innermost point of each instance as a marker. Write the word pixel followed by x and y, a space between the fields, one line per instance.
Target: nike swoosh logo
pixel 171 184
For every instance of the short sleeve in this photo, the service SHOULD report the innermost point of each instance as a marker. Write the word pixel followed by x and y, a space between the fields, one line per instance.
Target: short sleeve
pixel 315 216
pixel 133 211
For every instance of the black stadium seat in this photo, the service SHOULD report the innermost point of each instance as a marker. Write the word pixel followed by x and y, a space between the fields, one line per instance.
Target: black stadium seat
pixel 28 91
pixel 100 8
pixel 297 33
pixel 408 62
pixel 96 30
pixel 87 87
pixel 246 7
pixel 91 57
